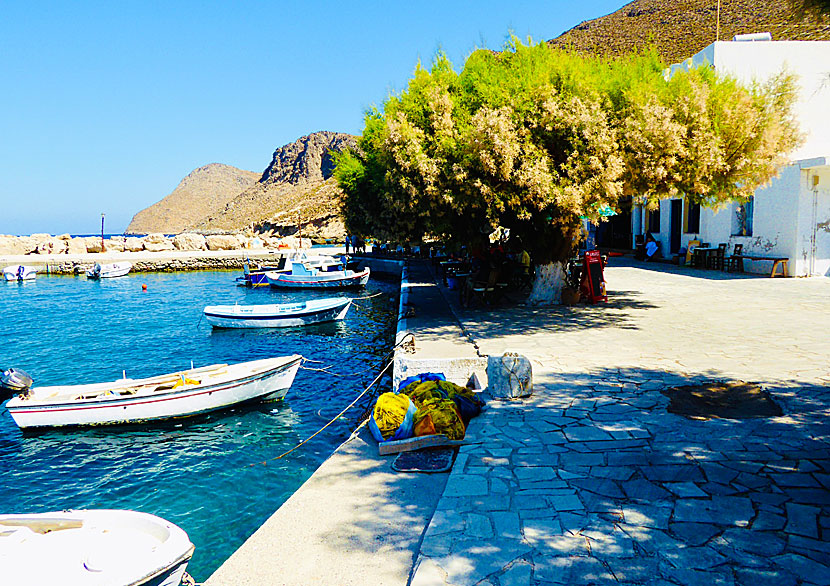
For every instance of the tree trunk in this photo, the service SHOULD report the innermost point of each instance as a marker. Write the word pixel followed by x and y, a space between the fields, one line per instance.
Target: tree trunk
pixel 547 286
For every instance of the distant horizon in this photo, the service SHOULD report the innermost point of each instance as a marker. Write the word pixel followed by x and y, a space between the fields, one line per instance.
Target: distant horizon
pixel 110 106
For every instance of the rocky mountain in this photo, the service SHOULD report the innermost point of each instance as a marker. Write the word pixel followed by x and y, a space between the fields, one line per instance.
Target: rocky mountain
pixel 681 28
pixel 196 196
pixel 297 186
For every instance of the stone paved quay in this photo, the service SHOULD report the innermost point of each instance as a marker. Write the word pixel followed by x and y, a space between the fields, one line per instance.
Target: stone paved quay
pixel 592 481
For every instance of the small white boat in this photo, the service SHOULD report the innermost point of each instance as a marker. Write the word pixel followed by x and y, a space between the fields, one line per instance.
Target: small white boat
pixel 109 271
pixel 93 548
pixel 179 394
pixel 19 273
pixel 305 276
pixel 277 315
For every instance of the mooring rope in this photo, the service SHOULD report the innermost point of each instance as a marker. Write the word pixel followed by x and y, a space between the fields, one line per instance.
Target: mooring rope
pixel 336 417
pixel 326 369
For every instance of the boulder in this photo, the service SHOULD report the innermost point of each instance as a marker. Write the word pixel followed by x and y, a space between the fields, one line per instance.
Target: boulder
pixel 12 245
pixel 222 242
pixel 188 241
pixel 115 244
pixel 154 238
pixel 51 246
pixel 133 245
pixel 157 243
pixel 93 244
pixel 76 246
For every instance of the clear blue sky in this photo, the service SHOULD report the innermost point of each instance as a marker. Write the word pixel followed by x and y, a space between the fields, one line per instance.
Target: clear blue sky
pixel 106 106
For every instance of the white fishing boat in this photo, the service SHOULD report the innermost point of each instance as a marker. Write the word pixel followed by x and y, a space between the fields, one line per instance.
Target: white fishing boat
pixel 19 273
pixel 277 315
pixel 305 276
pixel 93 548
pixel 109 271
pixel 254 274
pixel 179 394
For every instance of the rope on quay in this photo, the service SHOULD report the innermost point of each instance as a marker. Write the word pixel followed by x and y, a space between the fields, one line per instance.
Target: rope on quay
pixel 349 406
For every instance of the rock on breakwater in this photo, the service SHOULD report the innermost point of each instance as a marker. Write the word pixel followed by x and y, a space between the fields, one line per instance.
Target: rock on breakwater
pixel 46 244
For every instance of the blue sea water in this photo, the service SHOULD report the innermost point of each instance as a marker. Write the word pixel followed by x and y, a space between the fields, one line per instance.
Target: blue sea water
pixel 215 476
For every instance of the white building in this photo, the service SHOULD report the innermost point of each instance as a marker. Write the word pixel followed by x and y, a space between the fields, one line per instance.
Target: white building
pixel 791 216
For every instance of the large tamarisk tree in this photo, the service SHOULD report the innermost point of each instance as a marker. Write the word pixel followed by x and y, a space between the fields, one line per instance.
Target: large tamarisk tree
pixel 533 139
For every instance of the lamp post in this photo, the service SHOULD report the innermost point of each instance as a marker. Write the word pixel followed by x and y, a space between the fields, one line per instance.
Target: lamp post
pixel 102 232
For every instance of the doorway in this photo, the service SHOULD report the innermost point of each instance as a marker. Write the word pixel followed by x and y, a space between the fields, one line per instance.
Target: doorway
pixel 676 225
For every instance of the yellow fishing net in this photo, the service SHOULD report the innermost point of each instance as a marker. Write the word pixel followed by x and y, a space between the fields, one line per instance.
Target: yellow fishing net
pixel 439 416
pixel 390 411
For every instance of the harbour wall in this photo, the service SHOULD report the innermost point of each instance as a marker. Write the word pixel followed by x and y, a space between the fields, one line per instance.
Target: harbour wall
pixel 180 260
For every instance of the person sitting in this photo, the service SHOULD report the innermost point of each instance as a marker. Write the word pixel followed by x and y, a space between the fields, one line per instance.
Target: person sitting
pixel 652 248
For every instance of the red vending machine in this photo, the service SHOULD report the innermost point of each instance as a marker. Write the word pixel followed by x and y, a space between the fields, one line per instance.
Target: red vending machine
pixel 592 288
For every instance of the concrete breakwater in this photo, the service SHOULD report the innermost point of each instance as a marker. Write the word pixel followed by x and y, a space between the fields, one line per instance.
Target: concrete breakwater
pixel 162 265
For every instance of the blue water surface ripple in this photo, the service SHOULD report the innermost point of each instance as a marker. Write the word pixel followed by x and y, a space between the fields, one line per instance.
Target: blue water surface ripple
pixel 215 475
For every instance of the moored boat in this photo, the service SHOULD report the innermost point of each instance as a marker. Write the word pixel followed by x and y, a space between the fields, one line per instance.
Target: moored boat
pixel 305 276
pixel 277 315
pixel 178 394
pixel 254 274
pixel 109 271
pixel 19 273
pixel 93 548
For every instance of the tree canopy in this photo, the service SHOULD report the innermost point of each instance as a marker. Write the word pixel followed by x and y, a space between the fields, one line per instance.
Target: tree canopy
pixel 532 139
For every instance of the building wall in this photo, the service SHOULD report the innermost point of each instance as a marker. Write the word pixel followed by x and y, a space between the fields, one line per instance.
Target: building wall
pixel 760 60
pixel 791 216
pixel 812 247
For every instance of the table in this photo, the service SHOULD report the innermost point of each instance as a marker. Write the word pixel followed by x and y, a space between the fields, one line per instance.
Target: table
pixel 700 255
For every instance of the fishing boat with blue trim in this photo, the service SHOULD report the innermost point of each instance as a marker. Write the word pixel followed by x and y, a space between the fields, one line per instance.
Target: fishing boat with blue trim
pixel 303 275
pixel 254 274
pixel 282 315
pixel 169 396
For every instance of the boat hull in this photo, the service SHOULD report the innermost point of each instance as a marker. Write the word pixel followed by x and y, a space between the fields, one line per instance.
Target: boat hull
pixel 322 280
pixel 277 316
pixel 267 379
pixel 94 548
pixel 109 271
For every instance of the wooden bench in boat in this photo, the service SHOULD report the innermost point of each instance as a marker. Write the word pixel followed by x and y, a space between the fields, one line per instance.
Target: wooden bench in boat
pixel 776 260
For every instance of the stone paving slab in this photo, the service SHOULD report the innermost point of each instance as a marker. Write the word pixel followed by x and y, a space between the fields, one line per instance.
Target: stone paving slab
pixel 592 481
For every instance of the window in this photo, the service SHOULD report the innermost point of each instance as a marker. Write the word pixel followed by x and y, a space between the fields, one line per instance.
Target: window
pixel 692 219
pixel 742 217
pixel 653 221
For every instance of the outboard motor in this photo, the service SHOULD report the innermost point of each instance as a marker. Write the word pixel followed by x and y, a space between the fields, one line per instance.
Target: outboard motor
pixel 14 381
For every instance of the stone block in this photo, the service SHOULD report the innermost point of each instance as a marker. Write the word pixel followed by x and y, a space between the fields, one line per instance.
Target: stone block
pixel 509 376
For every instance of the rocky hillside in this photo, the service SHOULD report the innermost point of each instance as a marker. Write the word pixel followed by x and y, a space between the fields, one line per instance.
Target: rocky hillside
pixel 296 187
pixel 681 28
pixel 196 197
